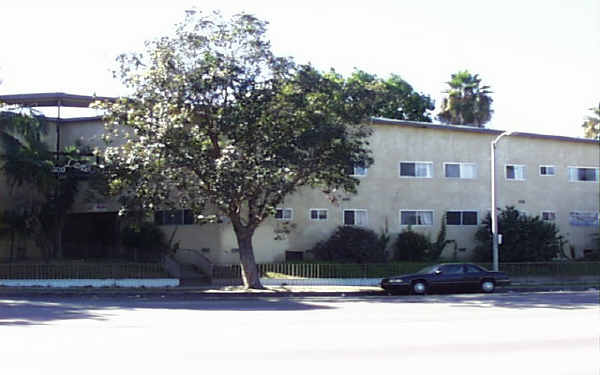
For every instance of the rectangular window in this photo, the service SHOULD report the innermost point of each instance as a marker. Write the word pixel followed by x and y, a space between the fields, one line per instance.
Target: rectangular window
pixel 460 170
pixel 548 215
pixel 583 219
pixel 416 169
pixel 174 217
pixel 284 214
pixel 355 217
pixel 461 218
pixel 422 217
pixel 318 214
pixel 584 174
pixel 356 170
pixel 516 172
pixel 547 170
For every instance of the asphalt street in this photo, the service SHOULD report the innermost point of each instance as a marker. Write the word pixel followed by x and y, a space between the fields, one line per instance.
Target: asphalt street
pixel 503 333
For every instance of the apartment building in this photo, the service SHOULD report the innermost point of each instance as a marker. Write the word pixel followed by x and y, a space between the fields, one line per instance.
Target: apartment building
pixel 423 173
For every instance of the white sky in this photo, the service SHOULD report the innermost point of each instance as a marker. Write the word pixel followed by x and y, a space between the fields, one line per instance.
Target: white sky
pixel 541 58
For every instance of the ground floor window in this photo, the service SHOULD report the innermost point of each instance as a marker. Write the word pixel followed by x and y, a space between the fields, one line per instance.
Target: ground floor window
pixel 318 214
pixel 284 214
pixel 174 217
pixel 356 217
pixel 416 217
pixel 583 219
pixel 461 218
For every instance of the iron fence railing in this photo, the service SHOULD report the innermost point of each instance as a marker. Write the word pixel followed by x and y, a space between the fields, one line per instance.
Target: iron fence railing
pixel 303 272
pixel 43 271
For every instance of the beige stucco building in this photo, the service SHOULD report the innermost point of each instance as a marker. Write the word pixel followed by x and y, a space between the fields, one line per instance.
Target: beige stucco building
pixel 422 173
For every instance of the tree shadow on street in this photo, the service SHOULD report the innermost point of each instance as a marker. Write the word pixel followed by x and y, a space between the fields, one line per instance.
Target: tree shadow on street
pixel 23 311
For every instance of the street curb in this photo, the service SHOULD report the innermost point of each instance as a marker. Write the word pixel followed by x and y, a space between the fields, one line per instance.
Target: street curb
pixel 196 292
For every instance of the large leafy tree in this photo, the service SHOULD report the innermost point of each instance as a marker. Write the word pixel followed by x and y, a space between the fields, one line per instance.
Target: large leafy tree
pixel 468 102
pixel 216 119
pixel 591 125
pixel 395 98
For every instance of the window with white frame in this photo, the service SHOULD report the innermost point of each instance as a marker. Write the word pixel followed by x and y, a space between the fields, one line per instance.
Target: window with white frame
pixel 318 214
pixel 583 218
pixel 284 214
pixel 461 218
pixel 416 169
pixel 174 217
pixel 547 170
pixel 548 215
pixel 416 217
pixel 358 171
pixel 584 174
pixel 356 217
pixel 516 172
pixel 460 170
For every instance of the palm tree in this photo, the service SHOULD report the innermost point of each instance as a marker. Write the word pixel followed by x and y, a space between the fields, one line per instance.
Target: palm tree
pixel 468 103
pixel 591 125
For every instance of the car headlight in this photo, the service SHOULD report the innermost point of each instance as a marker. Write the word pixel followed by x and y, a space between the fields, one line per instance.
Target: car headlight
pixel 397 281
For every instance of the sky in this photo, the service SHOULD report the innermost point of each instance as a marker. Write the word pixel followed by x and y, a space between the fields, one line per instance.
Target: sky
pixel 540 57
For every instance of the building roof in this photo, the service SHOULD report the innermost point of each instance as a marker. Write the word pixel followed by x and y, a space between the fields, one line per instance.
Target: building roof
pixel 472 129
pixel 52 99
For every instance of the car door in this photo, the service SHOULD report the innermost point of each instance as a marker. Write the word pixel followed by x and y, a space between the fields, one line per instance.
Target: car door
pixel 473 276
pixel 450 277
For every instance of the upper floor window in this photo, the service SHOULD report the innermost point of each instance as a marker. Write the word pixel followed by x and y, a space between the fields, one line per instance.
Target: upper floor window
pixel 516 172
pixel 284 214
pixel 460 170
pixel 318 214
pixel 416 217
pixel 547 170
pixel 357 217
pixel 174 217
pixel 420 169
pixel 461 218
pixel 584 174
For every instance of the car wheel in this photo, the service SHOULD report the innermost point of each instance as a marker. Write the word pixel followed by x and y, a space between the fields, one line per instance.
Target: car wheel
pixel 419 287
pixel 488 286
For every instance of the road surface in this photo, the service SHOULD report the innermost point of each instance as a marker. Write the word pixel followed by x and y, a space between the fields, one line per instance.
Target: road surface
pixel 512 333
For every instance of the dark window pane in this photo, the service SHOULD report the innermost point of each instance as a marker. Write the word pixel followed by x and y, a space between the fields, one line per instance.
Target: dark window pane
pixel 510 172
pixel 407 169
pixel 469 218
pixel 408 218
pixel 453 170
pixel 188 217
pixel 159 218
pixel 586 174
pixel 174 217
pixel 314 214
pixel 279 213
pixel 453 218
pixel 348 217
pixel 473 269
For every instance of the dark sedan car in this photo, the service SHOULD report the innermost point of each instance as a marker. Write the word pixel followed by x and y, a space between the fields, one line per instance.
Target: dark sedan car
pixel 447 277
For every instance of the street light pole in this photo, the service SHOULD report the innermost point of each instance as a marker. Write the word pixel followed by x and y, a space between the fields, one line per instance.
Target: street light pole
pixel 493 212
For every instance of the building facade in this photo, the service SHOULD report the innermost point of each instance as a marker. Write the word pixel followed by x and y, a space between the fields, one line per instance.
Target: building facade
pixel 423 173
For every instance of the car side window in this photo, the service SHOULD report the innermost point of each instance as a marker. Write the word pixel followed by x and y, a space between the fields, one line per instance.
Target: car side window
pixel 452 269
pixel 472 269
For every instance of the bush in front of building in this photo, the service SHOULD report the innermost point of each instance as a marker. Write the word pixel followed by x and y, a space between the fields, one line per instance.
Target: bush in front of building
pixel 143 241
pixel 411 246
pixel 524 238
pixel 350 244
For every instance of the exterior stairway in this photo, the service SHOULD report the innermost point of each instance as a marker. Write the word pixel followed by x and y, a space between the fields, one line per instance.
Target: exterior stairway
pixel 190 266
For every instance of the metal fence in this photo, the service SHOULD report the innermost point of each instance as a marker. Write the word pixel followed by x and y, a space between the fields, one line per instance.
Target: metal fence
pixel 296 273
pixel 43 271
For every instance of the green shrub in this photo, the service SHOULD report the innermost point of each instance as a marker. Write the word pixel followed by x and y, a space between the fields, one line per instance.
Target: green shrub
pixel 145 237
pixel 524 238
pixel 411 246
pixel 352 245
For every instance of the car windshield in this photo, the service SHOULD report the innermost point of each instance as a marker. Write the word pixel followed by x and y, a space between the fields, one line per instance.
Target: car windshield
pixel 428 269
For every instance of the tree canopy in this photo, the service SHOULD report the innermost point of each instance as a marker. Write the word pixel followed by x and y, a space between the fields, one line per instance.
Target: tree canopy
pixel 591 125
pixel 215 118
pixel 395 98
pixel 468 102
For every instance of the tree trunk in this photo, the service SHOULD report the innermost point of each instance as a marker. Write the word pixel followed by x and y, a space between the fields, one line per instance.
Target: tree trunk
pixel 249 270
